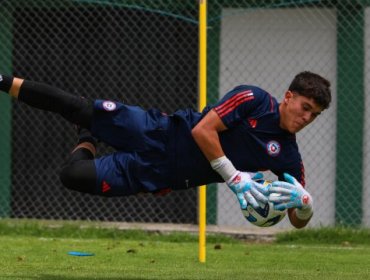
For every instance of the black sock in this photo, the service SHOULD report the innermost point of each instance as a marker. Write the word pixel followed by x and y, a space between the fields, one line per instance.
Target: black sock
pixel 6 82
pixel 80 154
pixel 45 97
pixel 84 135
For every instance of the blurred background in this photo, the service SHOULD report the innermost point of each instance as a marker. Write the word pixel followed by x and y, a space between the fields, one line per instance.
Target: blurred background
pixel 146 53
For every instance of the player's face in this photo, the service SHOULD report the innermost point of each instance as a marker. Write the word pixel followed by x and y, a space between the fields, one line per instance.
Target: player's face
pixel 297 111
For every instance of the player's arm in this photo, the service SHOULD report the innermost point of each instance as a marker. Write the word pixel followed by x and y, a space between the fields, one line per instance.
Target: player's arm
pixel 235 106
pixel 205 134
pixel 294 198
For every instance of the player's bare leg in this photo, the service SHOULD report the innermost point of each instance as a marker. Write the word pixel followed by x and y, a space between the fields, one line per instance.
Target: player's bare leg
pixel 15 88
pixel 86 145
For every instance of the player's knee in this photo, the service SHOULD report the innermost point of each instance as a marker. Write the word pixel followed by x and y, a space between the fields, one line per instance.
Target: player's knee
pixel 75 178
pixel 69 177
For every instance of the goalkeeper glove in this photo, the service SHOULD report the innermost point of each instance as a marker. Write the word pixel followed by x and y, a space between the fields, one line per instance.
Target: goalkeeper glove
pixel 247 190
pixel 241 183
pixel 292 195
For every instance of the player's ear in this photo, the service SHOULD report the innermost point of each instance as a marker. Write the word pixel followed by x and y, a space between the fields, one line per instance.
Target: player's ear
pixel 288 95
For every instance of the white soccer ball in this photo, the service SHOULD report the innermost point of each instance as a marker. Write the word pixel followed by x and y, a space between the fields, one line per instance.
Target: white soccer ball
pixel 265 215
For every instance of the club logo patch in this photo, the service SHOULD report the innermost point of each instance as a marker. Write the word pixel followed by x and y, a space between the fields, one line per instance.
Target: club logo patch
pixel 109 106
pixel 305 199
pixel 237 179
pixel 273 148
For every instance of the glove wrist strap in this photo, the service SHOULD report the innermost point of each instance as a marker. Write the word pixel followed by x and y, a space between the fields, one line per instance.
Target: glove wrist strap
pixel 224 167
pixel 304 214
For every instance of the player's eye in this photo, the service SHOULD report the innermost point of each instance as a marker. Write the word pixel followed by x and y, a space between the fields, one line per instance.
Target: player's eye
pixel 306 107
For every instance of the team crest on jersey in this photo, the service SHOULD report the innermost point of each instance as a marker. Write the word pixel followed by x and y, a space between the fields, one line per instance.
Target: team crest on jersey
pixel 273 148
pixel 109 106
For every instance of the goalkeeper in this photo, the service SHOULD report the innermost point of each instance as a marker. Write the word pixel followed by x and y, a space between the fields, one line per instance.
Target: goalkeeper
pixel 246 131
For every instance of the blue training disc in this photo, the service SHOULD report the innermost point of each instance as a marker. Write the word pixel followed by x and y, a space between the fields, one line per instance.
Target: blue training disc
pixel 80 254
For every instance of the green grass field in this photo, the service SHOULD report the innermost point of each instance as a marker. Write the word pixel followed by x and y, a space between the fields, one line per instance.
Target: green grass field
pixel 36 251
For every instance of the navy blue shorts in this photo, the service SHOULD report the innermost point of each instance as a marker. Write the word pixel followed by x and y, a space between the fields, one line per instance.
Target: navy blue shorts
pixel 141 162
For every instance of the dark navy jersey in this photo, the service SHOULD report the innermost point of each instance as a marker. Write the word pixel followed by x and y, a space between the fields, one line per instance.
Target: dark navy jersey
pixel 253 141
pixel 156 151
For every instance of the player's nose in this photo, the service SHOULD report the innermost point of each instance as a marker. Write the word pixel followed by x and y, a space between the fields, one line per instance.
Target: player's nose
pixel 307 117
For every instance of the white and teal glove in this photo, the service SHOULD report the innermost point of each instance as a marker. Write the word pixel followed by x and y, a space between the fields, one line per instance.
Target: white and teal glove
pixel 241 183
pixel 292 195
pixel 247 190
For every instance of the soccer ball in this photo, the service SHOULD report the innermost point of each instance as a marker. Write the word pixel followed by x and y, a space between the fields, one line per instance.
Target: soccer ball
pixel 265 215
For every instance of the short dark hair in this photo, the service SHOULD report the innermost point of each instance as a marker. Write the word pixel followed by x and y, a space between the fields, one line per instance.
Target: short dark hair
pixel 313 86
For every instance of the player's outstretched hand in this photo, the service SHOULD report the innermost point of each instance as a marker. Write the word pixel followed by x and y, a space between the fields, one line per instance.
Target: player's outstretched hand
pixel 292 195
pixel 247 190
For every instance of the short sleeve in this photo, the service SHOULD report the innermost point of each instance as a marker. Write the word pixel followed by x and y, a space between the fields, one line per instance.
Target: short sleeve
pixel 238 104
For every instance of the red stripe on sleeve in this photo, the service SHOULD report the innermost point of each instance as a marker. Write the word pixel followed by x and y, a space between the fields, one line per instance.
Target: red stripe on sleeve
pixel 232 107
pixel 271 104
pixel 236 96
pixel 230 102
pixel 233 102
